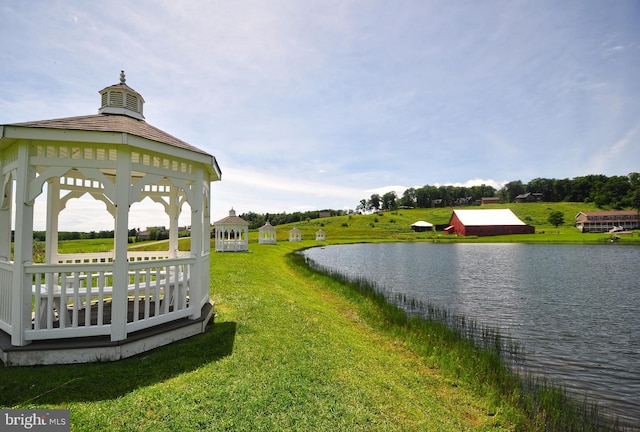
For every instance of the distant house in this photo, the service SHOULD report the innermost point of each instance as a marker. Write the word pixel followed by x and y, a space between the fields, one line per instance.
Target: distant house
pixel 422 226
pixel 321 235
pixel 153 233
pixel 604 221
pixel 486 223
pixel 530 197
pixel 464 201
pixel 144 235
pixel 489 200
pixel 324 214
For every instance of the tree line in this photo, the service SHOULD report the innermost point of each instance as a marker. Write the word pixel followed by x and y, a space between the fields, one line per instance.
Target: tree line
pixel 257 220
pixel 157 233
pixel 75 235
pixel 614 192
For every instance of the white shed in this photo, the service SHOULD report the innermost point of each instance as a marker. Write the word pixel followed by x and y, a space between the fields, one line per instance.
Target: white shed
pixel 321 235
pixel 48 311
pixel 422 226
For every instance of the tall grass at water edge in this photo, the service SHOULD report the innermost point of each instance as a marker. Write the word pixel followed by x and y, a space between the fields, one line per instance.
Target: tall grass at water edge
pixel 476 354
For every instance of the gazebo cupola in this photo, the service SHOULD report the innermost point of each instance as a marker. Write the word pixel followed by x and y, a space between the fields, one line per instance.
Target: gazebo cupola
pixel 121 99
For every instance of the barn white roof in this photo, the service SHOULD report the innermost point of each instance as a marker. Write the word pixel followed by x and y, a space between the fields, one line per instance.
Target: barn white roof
pixel 488 217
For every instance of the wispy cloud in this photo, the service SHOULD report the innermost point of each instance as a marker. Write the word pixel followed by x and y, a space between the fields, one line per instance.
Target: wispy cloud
pixel 622 155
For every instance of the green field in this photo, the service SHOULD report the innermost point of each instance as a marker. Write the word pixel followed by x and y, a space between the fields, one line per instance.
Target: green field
pixel 291 349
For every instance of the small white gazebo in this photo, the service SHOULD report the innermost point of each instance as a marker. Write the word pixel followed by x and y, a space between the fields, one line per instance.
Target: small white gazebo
pixel 321 235
pixel 267 234
pixel 108 305
pixel 295 235
pixel 232 233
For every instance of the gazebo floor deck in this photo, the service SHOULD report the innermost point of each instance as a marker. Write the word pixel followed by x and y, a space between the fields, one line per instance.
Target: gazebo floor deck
pixel 102 348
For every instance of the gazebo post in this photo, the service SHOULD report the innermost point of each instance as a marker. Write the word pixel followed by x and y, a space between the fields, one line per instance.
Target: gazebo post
pixel 22 251
pixel 196 241
pixel 206 219
pixel 174 215
pixel 53 214
pixel 205 239
pixel 121 245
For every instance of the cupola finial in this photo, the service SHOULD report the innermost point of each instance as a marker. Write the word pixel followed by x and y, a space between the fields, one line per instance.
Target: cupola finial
pixel 122 78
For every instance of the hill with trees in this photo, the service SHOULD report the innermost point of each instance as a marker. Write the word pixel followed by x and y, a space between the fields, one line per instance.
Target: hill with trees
pixel 616 192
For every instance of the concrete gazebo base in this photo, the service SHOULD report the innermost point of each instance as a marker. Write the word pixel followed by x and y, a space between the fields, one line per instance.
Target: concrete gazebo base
pixel 101 348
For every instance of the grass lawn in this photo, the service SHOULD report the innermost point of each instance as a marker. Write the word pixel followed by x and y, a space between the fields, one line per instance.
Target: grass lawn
pixel 286 352
pixel 289 350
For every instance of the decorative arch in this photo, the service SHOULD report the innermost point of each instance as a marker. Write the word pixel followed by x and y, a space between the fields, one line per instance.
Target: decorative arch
pixel 7 188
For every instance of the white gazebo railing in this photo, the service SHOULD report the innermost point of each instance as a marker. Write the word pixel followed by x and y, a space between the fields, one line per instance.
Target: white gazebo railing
pixel 76 299
pixel 231 244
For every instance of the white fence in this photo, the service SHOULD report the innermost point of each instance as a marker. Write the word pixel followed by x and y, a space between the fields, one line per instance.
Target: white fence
pixel 233 245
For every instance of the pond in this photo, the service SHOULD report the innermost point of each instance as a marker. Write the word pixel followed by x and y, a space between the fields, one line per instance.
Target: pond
pixel 574 308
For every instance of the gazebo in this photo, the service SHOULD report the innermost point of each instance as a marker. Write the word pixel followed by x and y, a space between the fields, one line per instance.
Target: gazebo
pixel 232 233
pixel 422 226
pixel 295 235
pixel 267 234
pixel 321 235
pixel 108 305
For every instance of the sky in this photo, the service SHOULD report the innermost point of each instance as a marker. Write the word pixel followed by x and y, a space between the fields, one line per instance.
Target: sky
pixel 310 105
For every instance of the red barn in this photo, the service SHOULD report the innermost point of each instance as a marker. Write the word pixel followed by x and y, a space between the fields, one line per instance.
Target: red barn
pixel 486 223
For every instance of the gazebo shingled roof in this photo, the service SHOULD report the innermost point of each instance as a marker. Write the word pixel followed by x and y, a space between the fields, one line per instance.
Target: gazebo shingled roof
pixel 268 227
pixel 231 219
pixel 112 123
